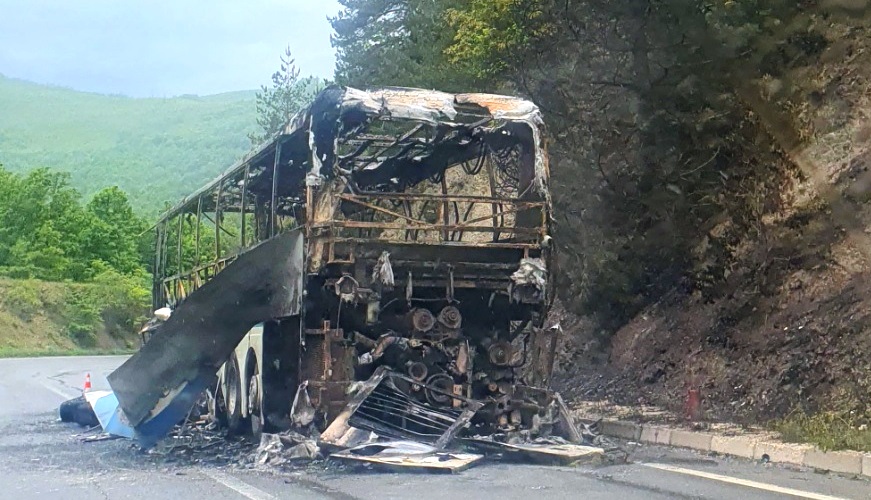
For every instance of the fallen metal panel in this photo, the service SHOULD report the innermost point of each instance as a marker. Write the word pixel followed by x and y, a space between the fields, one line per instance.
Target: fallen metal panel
pixel 158 385
pixel 542 453
pixel 399 418
pixel 408 456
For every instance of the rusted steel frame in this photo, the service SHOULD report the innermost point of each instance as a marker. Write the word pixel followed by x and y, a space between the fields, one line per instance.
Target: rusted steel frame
pixel 463 244
pixel 456 217
pixel 217 220
pixel 164 253
pixel 353 199
pixel 396 142
pixel 242 209
pixel 409 235
pixel 275 165
pixel 156 290
pixel 353 224
pixel 445 215
pixel 205 267
pixel 357 152
pixel 544 221
pixel 423 209
pixel 427 226
pixel 228 233
pixel 458 266
pixel 487 284
pixel 166 293
pixel 493 206
pixel 199 223
pixel 443 197
pixel 309 209
pixel 180 231
pixel 517 207
pixel 466 219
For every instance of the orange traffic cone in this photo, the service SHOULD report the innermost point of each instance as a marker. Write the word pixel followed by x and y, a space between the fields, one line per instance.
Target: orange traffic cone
pixel 87 383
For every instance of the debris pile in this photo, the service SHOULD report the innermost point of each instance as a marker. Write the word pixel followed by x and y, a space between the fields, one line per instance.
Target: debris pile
pixel 284 448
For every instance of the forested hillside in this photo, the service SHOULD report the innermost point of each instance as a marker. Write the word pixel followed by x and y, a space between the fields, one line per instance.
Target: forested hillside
pixel 85 175
pixel 156 150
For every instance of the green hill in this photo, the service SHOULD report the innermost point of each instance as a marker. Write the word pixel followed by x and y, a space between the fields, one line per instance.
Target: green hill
pixel 155 149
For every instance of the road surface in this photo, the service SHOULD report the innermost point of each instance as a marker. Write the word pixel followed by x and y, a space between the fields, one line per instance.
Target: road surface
pixel 43 458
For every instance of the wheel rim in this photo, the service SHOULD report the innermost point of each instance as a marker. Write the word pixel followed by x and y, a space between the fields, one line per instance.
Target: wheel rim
pixel 253 395
pixel 232 388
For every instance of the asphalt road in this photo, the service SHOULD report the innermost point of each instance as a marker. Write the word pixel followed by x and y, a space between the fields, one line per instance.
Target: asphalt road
pixel 43 458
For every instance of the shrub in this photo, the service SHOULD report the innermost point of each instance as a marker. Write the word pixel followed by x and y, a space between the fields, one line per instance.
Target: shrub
pixel 24 298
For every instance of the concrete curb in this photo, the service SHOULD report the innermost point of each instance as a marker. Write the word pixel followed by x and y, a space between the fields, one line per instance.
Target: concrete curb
pixel 753 447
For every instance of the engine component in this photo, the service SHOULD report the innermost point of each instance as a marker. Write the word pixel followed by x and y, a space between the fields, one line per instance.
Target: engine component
pixel 420 320
pixel 500 353
pixel 418 371
pixel 443 382
pixel 450 318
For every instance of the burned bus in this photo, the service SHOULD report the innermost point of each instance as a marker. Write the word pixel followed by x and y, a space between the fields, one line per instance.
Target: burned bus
pixel 405 237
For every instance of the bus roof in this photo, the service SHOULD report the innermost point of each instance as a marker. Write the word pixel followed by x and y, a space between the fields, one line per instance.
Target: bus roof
pixel 317 125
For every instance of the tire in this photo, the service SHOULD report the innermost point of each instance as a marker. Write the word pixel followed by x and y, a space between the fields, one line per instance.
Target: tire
pixel 235 421
pixel 255 405
pixel 217 407
pixel 78 410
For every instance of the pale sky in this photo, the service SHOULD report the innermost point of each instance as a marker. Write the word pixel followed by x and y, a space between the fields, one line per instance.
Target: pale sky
pixel 163 47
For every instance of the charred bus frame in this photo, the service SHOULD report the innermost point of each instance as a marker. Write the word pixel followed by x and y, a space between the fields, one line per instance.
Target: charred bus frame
pixel 426 220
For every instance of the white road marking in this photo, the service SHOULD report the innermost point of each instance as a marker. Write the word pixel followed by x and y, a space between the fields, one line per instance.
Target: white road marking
pixel 237 485
pixel 742 482
pixel 57 391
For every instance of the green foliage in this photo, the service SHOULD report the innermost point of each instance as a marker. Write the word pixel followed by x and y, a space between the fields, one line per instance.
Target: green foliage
pixel 156 149
pixel 398 42
pixel 490 35
pixel 82 315
pixel 23 298
pixel 54 317
pixel 122 300
pixel 287 95
pixel 112 302
pixel 46 233
pixel 829 430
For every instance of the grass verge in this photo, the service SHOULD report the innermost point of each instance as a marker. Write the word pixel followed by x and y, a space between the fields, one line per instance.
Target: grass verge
pixel 12 352
pixel 827 430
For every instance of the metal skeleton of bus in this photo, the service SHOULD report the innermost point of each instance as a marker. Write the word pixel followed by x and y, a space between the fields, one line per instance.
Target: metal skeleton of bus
pixel 424 221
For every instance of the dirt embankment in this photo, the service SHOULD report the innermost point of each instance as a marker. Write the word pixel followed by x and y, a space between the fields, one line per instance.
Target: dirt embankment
pixel 43 318
pixel 789 329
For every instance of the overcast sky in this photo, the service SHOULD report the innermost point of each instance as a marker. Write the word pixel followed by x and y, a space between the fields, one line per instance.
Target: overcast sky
pixel 162 47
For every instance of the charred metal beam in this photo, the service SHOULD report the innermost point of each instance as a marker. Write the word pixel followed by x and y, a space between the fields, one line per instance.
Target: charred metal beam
pixel 217 220
pixel 275 166
pixel 199 223
pixel 242 208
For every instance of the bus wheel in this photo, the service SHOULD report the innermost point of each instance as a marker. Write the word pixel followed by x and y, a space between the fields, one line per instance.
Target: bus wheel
pixel 233 398
pixel 255 407
pixel 217 407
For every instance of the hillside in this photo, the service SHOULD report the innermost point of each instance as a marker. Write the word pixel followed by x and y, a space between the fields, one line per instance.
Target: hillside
pixel 785 336
pixel 155 149
pixel 40 317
